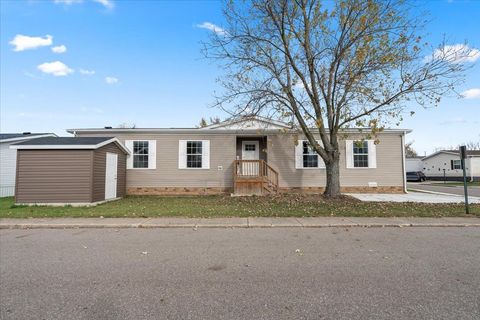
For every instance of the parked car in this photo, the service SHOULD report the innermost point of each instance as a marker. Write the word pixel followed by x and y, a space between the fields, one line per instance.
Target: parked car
pixel 416 176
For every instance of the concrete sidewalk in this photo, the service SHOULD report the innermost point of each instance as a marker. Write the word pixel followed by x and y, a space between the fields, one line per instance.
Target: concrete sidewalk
pixel 309 222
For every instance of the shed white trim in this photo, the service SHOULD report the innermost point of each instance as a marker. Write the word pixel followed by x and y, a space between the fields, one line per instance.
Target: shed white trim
pixel 71 146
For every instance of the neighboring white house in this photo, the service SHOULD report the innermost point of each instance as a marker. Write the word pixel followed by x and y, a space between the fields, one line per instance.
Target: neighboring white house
pixel 413 164
pixel 8 158
pixel 447 163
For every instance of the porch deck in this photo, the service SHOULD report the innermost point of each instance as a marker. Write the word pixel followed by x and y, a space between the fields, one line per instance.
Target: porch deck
pixel 254 177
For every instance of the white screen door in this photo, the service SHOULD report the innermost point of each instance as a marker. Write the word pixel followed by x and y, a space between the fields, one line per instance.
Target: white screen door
pixel 250 151
pixel 111 176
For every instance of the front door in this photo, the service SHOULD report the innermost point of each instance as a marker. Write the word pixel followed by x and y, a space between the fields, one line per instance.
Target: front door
pixel 250 151
pixel 111 176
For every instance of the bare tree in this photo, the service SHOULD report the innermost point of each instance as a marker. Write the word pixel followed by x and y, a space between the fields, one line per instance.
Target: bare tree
pixel 409 151
pixel 353 63
pixel 471 145
pixel 204 123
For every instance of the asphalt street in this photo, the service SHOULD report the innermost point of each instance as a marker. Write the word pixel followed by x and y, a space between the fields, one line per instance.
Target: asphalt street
pixel 283 273
pixel 473 191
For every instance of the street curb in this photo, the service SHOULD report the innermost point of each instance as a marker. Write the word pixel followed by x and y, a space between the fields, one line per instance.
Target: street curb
pixel 230 226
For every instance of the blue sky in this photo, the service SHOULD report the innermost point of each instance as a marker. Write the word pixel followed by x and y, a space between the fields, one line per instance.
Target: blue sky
pixel 140 62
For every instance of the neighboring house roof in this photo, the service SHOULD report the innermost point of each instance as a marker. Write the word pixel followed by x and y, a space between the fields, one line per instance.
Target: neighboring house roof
pixel 470 153
pixel 11 137
pixel 68 143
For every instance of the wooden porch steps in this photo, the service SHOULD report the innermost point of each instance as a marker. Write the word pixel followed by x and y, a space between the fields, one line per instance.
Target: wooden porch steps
pixel 254 177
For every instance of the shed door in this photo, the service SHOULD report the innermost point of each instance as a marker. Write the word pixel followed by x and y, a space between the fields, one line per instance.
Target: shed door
pixel 111 176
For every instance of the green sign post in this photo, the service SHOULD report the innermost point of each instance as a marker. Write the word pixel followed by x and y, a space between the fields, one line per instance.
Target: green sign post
pixel 463 155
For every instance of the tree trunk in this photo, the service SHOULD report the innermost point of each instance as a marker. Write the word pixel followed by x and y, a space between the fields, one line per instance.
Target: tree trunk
pixel 333 177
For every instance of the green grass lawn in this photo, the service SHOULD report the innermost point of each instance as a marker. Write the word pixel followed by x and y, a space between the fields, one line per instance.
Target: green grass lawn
pixel 225 206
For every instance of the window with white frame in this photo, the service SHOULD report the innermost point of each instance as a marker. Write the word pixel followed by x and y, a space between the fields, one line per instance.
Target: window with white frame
pixel 310 157
pixel 456 164
pixel 140 154
pixel 194 154
pixel 360 154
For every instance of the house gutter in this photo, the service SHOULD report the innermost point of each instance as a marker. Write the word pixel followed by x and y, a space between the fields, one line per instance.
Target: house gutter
pixel 404 169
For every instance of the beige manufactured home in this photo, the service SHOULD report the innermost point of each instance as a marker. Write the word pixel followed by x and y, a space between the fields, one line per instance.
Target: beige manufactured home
pixel 251 156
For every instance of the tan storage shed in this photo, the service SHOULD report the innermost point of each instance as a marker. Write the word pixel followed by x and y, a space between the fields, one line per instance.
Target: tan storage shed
pixel 70 170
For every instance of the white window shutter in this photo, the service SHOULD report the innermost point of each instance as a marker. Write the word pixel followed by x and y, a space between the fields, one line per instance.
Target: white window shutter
pixel 299 155
pixel 129 146
pixel 349 153
pixel 321 163
pixel 205 154
pixel 372 154
pixel 182 154
pixel 152 154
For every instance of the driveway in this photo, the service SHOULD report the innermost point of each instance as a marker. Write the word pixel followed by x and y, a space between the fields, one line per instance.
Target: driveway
pixel 412 196
pixel 473 191
pixel 288 273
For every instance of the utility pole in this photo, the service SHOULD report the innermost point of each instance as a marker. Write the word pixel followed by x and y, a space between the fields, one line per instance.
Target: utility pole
pixel 463 155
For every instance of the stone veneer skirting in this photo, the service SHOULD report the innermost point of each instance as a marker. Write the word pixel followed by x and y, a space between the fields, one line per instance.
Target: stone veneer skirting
pixel 138 191
pixel 381 189
pixel 151 191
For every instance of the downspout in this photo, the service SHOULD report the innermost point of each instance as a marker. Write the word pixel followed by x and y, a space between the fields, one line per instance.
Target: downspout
pixel 403 164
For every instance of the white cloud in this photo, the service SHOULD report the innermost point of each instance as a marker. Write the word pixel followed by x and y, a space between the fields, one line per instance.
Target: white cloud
pixel 55 68
pixel 86 72
pixel 59 49
pixel 106 3
pixel 473 93
pixel 67 2
pixel 212 27
pixel 111 80
pixel 22 42
pixel 457 53
pixel 456 120
pixel 109 4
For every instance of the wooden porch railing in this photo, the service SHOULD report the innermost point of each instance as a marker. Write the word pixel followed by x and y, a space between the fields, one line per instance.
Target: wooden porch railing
pixel 254 177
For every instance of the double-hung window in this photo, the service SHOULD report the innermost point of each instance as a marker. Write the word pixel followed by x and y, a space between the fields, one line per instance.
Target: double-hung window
pixel 143 154
pixel 456 164
pixel 140 154
pixel 194 154
pixel 310 157
pixel 360 154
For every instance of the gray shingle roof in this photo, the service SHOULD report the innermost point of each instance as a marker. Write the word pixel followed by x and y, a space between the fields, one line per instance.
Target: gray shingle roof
pixel 4 136
pixel 65 141
pixel 469 152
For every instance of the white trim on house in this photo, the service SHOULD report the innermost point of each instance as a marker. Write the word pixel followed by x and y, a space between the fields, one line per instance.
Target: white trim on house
pixel 182 154
pixel 299 157
pixel 372 154
pixel 152 154
pixel 70 146
pixel 247 132
pixel 28 137
pixel 404 165
pixel 264 123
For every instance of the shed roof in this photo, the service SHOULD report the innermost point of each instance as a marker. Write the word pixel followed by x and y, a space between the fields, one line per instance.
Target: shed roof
pixel 5 137
pixel 69 143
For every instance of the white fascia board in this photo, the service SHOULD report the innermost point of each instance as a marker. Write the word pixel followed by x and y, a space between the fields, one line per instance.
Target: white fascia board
pixel 71 146
pixel 28 137
pixel 210 131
